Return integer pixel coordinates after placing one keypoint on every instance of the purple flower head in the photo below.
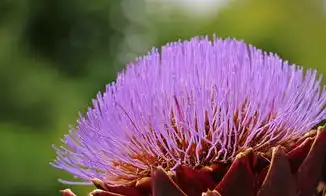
(192, 103)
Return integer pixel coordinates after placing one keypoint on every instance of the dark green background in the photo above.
(55, 55)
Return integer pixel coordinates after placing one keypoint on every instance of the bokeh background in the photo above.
(55, 55)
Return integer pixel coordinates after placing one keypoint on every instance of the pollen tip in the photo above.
(321, 128)
(101, 192)
(143, 182)
(211, 193)
(67, 192)
(246, 152)
(98, 183)
(311, 133)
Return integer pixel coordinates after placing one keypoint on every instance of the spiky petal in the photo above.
(193, 104)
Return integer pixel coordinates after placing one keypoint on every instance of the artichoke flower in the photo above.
(202, 118)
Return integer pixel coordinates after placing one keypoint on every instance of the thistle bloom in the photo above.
(202, 117)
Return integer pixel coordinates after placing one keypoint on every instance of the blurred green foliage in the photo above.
(56, 55)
